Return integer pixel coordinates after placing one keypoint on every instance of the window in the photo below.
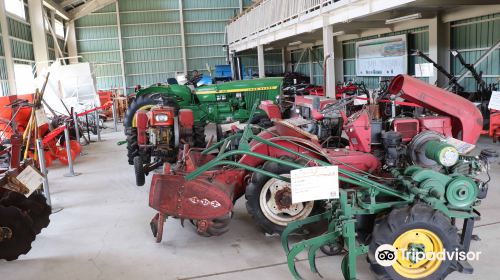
(25, 82)
(59, 29)
(15, 7)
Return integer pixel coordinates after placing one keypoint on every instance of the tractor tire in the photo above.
(138, 103)
(199, 136)
(407, 226)
(217, 227)
(132, 145)
(140, 177)
(35, 207)
(264, 210)
(20, 230)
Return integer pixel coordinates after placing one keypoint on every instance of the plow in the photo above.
(404, 182)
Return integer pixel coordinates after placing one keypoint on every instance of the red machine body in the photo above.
(158, 111)
(305, 105)
(466, 119)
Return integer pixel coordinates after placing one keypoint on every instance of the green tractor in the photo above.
(163, 117)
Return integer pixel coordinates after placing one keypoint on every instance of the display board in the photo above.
(386, 56)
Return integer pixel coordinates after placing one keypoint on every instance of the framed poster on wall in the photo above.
(386, 56)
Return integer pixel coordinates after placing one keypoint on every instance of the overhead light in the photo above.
(295, 43)
(404, 18)
(269, 49)
(338, 33)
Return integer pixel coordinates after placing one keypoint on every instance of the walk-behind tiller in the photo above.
(411, 207)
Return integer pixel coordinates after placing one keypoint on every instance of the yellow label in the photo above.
(237, 90)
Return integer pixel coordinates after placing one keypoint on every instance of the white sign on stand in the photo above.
(494, 101)
(31, 179)
(315, 183)
(424, 70)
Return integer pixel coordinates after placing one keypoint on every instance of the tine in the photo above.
(314, 245)
(293, 226)
(291, 259)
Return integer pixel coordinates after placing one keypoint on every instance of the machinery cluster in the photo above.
(403, 153)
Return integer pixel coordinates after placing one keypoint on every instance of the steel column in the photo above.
(261, 63)
(38, 35)
(183, 37)
(120, 44)
(71, 42)
(43, 170)
(329, 61)
(7, 49)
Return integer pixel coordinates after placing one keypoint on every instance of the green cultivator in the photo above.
(398, 202)
(413, 209)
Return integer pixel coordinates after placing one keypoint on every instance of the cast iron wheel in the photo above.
(199, 136)
(140, 177)
(269, 200)
(216, 227)
(417, 227)
(35, 207)
(17, 233)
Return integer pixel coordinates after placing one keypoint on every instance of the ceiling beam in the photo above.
(57, 8)
(68, 2)
(88, 8)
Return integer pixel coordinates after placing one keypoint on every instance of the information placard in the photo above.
(386, 56)
(315, 183)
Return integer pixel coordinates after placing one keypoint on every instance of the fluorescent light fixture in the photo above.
(295, 43)
(403, 18)
(338, 33)
(269, 49)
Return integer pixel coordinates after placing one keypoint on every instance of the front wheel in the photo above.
(269, 200)
(417, 231)
(140, 177)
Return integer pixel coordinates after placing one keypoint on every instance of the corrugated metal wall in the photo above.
(20, 39)
(151, 38)
(418, 38)
(316, 55)
(472, 37)
(272, 61)
(98, 43)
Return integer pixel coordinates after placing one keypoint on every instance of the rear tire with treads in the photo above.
(410, 225)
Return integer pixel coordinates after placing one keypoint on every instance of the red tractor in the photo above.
(203, 187)
(160, 132)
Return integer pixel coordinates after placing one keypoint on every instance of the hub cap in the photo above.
(276, 203)
(417, 241)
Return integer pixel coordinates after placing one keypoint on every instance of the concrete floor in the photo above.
(103, 232)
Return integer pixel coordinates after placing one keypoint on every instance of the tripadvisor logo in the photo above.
(387, 255)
